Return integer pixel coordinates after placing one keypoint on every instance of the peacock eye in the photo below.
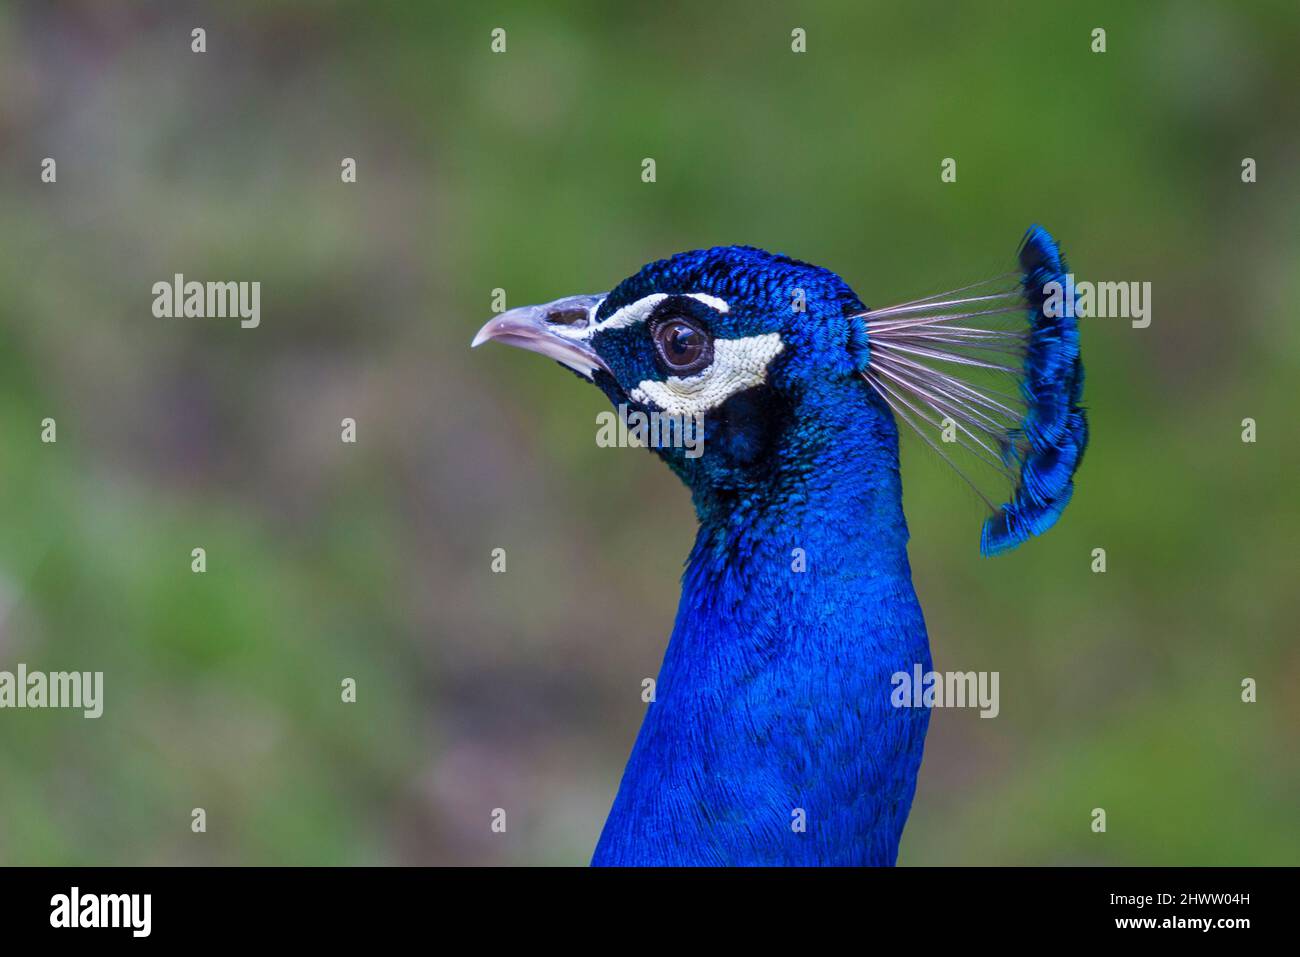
(683, 347)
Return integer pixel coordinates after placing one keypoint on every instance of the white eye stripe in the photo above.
(631, 314)
(738, 364)
(713, 302)
(634, 313)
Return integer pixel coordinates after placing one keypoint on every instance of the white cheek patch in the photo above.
(738, 364)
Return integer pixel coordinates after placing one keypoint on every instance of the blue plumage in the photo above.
(1055, 425)
(773, 738)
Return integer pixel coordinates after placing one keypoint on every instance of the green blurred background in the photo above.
(522, 171)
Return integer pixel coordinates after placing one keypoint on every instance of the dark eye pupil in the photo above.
(683, 348)
(683, 342)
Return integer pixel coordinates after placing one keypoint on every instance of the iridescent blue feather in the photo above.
(1054, 424)
(992, 374)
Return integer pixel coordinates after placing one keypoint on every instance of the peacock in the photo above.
(773, 738)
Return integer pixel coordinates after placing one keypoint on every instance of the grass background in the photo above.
(522, 171)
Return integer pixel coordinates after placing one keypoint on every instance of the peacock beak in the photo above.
(559, 329)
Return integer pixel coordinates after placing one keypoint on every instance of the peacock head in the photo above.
(741, 347)
(771, 359)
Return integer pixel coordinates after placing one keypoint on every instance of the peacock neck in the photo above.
(771, 739)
